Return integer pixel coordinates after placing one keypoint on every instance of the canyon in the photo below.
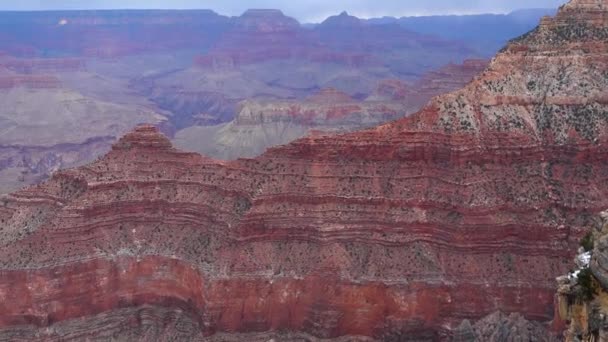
(449, 224)
(261, 124)
(73, 82)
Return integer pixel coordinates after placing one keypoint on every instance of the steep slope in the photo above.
(471, 206)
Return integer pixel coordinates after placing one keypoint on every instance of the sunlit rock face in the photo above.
(471, 206)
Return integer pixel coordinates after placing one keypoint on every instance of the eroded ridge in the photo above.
(471, 206)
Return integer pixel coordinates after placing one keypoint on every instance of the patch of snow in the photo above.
(584, 259)
(574, 275)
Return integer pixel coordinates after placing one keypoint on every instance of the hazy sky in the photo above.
(304, 10)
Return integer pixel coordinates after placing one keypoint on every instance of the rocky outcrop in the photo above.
(471, 206)
(258, 36)
(582, 294)
(499, 327)
(342, 21)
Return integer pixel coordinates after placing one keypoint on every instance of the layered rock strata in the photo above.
(261, 124)
(471, 206)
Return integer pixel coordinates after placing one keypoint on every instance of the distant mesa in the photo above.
(143, 136)
(266, 20)
(344, 20)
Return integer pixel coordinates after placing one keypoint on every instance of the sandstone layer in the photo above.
(471, 206)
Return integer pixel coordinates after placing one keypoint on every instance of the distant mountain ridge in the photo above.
(496, 32)
(497, 28)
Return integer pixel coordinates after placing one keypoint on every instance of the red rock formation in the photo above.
(471, 206)
(327, 289)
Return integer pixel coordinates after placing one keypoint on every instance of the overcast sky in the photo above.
(304, 10)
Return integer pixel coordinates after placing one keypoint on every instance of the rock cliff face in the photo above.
(471, 206)
(501, 327)
(582, 296)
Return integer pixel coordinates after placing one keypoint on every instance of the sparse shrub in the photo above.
(587, 242)
(586, 286)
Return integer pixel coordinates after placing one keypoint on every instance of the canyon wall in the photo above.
(400, 232)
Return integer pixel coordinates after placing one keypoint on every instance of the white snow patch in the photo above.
(574, 275)
(584, 259)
